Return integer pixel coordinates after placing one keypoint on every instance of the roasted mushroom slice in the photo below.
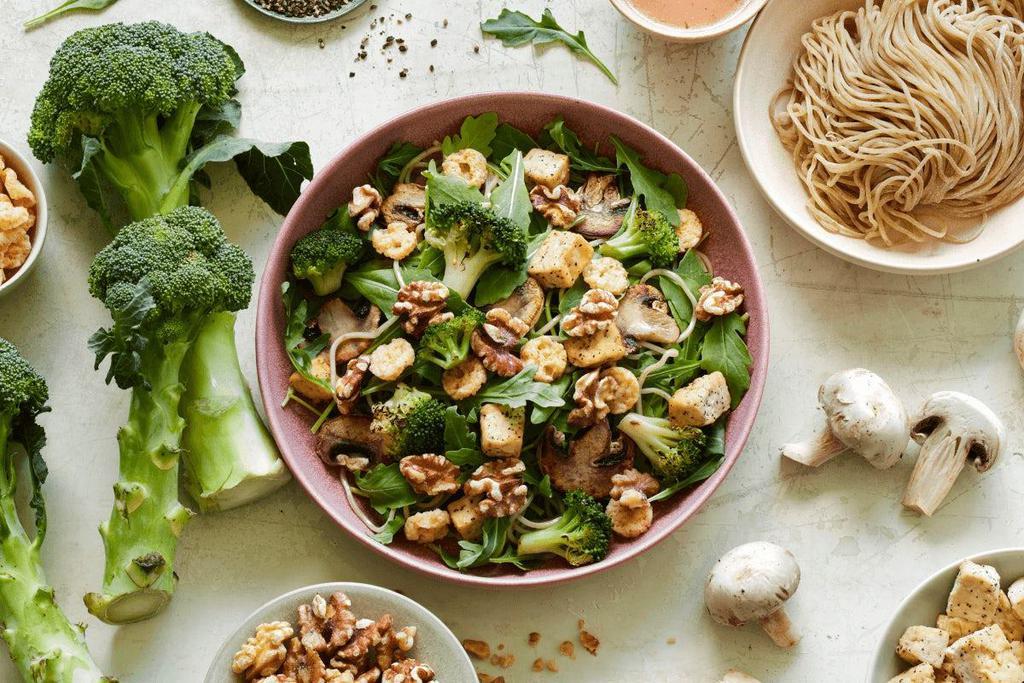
(336, 318)
(526, 302)
(348, 434)
(589, 462)
(644, 316)
(406, 204)
(603, 208)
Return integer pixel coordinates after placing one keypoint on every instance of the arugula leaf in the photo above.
(508, 139)
(541, 414)
(511, 198)
(385, 488)
(515, 29)
(457, 433)
(477, 132)
(517, 391)
(693, 273)
(582, 158)
(445, 189)
(297, 312)
(661, 192)
(387, 534)
(725, 351)
(704, 472)
(431, 259)
(391, 164)
(499, 282)
(376, 282)
(492, 544)
(69, 6)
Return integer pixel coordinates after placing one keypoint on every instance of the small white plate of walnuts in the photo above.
(342, 633)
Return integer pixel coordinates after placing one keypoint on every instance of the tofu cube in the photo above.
(467, 518)
(319, 368)
(923, 645)
(975, 595)
(922, 673)
(501, 430)
(956, 628)
(600, 348)
(560, 260)
(985, 656)
(701, 402)
(547, 168)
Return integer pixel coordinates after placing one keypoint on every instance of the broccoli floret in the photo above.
(473, 238)
(581, 535)
(412, 422)
(674, 453)
(322, 257)
(446, 344)
(648, 235)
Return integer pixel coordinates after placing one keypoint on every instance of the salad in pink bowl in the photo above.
(511, 339)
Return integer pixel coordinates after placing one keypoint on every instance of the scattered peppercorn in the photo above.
(351, 74)
(476, 49)
(433, 43)
(403, 73)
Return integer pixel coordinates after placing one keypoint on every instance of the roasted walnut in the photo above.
(613, 390)
(721, 297)
(501, 483)
(364, 206)
(421, 303)
(346, 390)
(368, 635)
(326, 625)
(430, 474)
(559, 206)
(595, 312)
(303, 664)
(427, 527)
(495, 342)
(407, 671)
(263, 653)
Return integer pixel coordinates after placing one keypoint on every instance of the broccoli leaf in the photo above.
(32, 438)
(508, 139)
(377, 283)
(69, 6)
(301, 352)
(662, 193)
(445, 189)
(390, 166)
(123, 342)
(516, 28)
(385, 488)
(582, 158)
(492, 544)
(477, 132)
(725, 351)
(517, 391)
(386, 535)
(212, 122)
(90, 181)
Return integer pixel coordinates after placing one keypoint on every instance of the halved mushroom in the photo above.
(603, 208)
(407, 204)
(590, 461)
(336, 318)
(348, 434)
(644, 316)
(954, 429)
(526, 302)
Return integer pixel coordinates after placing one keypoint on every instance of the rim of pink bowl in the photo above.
(268, 343)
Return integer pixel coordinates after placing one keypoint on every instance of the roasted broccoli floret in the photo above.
(412, 421)
(322, 257)
(473, 238)
(648, 235)
(581, 535)
(446, 344)
(674, 453)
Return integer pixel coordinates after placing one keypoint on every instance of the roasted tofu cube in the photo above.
(320, 368)
(560, 259)
(922, 673)
(501, 430)
(701, 402)
(547, 168)
(975, 595)
(1013, 627)
(466, 517)
(593, 350)
(923, 645)
(985, 656)
(956, 628)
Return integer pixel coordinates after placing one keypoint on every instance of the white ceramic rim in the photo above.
(455, 644)
(330, 16)
(885, 649)
(689, 35)
(27, 175)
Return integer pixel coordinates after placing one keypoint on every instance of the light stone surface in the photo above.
(860, 553)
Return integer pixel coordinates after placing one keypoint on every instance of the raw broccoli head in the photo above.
(413, 420)
(674, 453)
(447, 344)
(473, 238)
(581, 535)
(23, 391)
(322, 257)
(648, 235)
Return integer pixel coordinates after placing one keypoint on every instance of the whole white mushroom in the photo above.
(752, 582)
(863, 416)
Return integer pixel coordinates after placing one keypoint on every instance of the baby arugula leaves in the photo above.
(516, 29)
(69, 6)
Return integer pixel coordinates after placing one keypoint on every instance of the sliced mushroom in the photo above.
(350, 434)
(603, 207)
(644, 316)
(590, 461)
(407, 204)
(954, 429)
(526, 302)
(336, 318)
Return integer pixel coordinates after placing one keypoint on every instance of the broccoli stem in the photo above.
(550, 540)
(462, 272)
(229, 457)
(43, 644)
(142, 533)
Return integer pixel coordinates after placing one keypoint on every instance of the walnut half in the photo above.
(430, 474)
(421, 303)
(501, 484)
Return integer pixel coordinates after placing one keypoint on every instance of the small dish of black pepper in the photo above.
(305, 11)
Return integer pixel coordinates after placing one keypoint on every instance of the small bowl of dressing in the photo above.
(689, 21)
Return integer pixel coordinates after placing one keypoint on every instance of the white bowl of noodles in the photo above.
(765, 68)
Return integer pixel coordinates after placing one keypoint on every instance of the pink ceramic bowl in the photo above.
(727, 246)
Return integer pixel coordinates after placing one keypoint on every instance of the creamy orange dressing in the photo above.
(687, 13)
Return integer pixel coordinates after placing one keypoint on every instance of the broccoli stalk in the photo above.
(674, 453)
(647, 235)
(411, 422)
(43, 644)
(446, 344)
(581, 534)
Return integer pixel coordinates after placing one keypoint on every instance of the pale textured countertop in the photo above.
(860, 553)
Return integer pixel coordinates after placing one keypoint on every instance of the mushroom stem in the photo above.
(938, 465)
(780, 629)
(817, 451)
(1018, 340)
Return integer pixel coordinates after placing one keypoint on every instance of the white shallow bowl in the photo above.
(436, 645)
(697, 34)
(28, 177)
(765, 64)
(928, 601)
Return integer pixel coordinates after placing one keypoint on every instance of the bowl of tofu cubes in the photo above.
(430, 383)
(965, 623)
